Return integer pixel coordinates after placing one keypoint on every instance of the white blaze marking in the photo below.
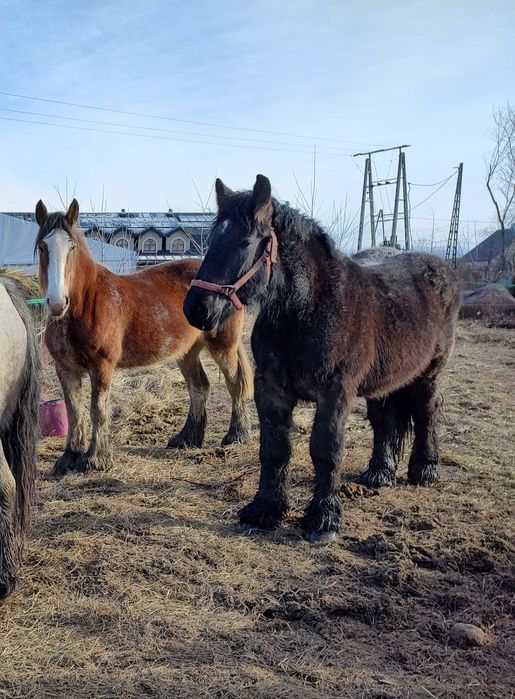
(224, 225)
(58, 244)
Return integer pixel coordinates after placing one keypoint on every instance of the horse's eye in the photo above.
(245, 244)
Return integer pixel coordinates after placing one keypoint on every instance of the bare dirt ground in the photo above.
(136, 583)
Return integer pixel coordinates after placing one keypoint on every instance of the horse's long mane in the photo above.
(289, 223)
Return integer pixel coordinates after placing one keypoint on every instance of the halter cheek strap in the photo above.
(268, 258)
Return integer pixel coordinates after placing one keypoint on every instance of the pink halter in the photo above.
(268, 258)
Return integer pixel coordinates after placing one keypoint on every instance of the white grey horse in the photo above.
(19, 399)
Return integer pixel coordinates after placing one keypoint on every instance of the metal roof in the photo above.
(137, 222)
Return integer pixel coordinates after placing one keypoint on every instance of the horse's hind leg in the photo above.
(235, 367)
(9, 547)
(390, 420)
(192, 434)
(426, 403)
(76, 442)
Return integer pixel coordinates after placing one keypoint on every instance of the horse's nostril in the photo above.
(67, 300)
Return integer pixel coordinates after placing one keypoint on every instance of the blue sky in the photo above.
(346, 75)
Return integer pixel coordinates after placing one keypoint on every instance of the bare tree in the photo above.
(500, 175)
(342, 226)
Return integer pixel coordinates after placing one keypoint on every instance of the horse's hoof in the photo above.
(7, 586)
(236, 437)
(181, 442)
(424, 476)
(61, 468)
(87, 464)
(244, 528)
(376, 479)
(65, 463)
(320, 537)
(262, 514)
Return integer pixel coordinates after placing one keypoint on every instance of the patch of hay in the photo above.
(136, 582)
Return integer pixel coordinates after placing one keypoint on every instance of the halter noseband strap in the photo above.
(268, 258)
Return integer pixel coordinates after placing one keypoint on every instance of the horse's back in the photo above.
(178, 273)
(13, 349)
(375, 255)
(139, 316)
(409, 276)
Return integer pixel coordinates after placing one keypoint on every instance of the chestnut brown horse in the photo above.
(99, 321)
(327, 330)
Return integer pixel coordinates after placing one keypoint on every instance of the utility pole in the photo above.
(407, 236)
(371, 202)
(452, 241)
(368, 194)
(380, 220)
(393, 239)
(363, 204)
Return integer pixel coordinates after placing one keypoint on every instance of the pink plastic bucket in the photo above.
(53, 419)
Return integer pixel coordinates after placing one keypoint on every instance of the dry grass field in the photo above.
(136, 583)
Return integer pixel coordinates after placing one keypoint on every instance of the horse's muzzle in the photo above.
(57, 308)
(203, 310)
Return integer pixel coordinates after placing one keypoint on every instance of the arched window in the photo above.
(122, 243)
(178, 245)
(150, 245)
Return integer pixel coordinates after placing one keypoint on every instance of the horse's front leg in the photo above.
(99, 456)
(270, 503)
(321, 520)
(76, 441)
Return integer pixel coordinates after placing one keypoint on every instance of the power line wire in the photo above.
(339, 149)
(183, 121)
(387, 176)
(432, 193)
(433, 184)
(156, 137)
(464, 220)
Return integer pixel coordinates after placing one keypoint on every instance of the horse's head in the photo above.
(242, 247)
(55, 241)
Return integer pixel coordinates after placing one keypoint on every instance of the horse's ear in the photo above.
(221, 191)
(262, 194)
(41, 213)
(72, 215)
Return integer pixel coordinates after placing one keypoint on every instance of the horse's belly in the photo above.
(385, 377)
(156, 346)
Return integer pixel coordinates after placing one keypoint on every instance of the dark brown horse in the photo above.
(19, 398)
(99, 321)
(328, 330)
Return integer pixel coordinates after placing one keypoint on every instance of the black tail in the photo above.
(19, 436)
(402, 415)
